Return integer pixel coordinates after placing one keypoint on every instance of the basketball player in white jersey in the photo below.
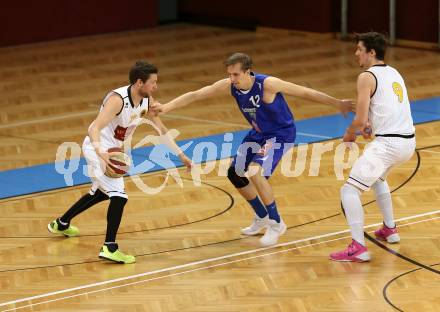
(382, 109)
(120, 113)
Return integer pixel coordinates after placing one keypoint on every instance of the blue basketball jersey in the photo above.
(266, 118)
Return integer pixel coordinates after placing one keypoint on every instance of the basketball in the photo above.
(119, 163)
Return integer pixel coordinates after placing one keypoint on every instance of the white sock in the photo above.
(354, 212)
(383, 199)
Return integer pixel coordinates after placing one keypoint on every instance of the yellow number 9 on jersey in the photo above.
(398, 90)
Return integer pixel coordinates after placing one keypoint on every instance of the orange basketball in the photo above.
(119, 163)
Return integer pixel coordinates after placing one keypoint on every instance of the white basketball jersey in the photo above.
(389, 105)
(120, 127)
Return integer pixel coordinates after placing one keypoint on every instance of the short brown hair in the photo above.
(373, 41)
(240, 58)
(141, 70)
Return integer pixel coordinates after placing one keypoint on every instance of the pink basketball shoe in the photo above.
(390, 235)
(355, 252)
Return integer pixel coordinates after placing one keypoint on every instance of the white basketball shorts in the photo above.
(96, 168)
(379, 157)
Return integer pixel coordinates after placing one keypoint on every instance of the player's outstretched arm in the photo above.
(275, 85)
(217, 88)
(111, 108)
(166, 139)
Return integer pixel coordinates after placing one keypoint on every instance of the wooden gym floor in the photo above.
(190, 254)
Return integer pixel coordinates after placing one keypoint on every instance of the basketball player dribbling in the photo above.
(383, 104)
(119, 115)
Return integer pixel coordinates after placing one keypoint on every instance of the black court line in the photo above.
(420, 265)
(385, 289)
(166, 251)
(219, 242)
(226, 241)
(392, 251)
(163, 251)
(231, 204)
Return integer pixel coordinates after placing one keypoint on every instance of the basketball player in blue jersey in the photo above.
(261, 101)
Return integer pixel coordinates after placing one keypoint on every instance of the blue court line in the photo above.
(149, 159)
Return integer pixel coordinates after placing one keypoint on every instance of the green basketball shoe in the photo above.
(69, 232)
(117, 256)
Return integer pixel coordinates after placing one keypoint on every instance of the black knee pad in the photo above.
(235, 179)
